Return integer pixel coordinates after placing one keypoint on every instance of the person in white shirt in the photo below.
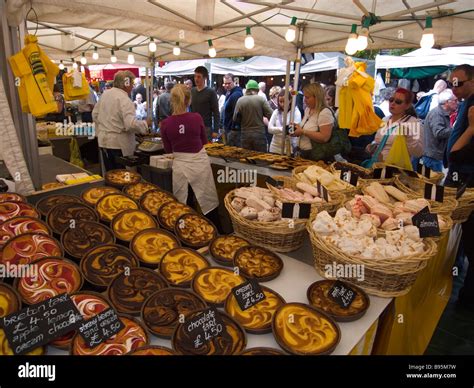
(140, 107)
(261, 89)
(115, 120)
(275, 126)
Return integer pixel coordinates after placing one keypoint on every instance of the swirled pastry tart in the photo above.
(47, 203)
(121, 178)
(12, 209)
(223, 248)
(92, 195)
(128, 292)
(179, 266)
(152, 200)
(112, 204)
(8, 197)
(169, 213)
(30, 247)
(258, 318)
(153, 351)
(103, 263)
(195, 230)
(318, 296)
(138, 189)
(152, 244)
(162, 310)
(65, 215)
(9, 300)
(21, 225)
(215, 284)
(303, 330)
(258, 263)
(128, 223)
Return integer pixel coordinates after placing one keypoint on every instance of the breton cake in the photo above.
(223, 248)
(179, 266)
(170, 211)
(215, 284)
(92, 195)
(66, 215)
(46, 204)
(112, 204)
(55, 276)
(153, 351)
(84, 236)
(195, 230)
(21, 225)
(121, 178)
(258, 263)
(128, 292)
(30, 247)
(162, 310)
(8, 197)
(303, 330)
(318, 296)
(258, 318)
(103, 263)
(152, 244)
(12, 209)
(152, 200)
(128, 223)
(138, 189)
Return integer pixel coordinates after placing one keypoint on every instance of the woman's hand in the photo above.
(298, 130)
(371, 148)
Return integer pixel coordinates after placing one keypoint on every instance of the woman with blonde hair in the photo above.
(183, 134)
(273, 101)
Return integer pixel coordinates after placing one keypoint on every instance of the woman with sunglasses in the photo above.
(401, 121)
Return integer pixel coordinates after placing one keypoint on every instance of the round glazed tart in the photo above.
(179, 266)
(8, 197)
(153, 351)
(30, 247)
(120, 178)
(112, 204)
(55, 276)
(223, 248)
(258, 263)
(12, 209)
(9, 300)
(101, 264)
(152, 244)
(85, 236)
(169, 213)
(6, 350)
(215, 284)
(128, 293)
(162, 310)
(89, 304)
(231, 341)
(256, 319)
(195, 230)
(21, 225)
(262, 352)
(301, 329)
(138, 189)
(47, 203)
(91, 196)
(59, 217)
(152, 200)
(130, 338)
(128, 223)
(318, 296)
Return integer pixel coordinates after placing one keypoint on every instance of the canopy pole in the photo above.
(285, 106)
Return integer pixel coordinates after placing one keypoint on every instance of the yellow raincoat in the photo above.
(70, 92)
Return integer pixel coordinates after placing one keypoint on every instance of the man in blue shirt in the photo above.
(234, 92)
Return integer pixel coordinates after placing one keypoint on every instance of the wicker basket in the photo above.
(280, 236)
(385, 277)
(336, 201)
(435, 178)
(361, 181)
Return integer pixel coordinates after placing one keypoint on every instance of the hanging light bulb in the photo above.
(427, 40)
(363, 39)
(249, 41)
(290, 35)
(212, 50)
(74, 64)
(61, 65)
(176, 49)
(83, 59)
(130, 58)
(152, 46)
(351, 45)
(113, 58)
(95, 54)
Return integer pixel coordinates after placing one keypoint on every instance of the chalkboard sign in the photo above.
(349, 176)
(323, 192)
(204, 327)
(100, 328)
(274, 182)
(342, 294)
(423, 170)
(295, 210)
(385, 173)
(248, 294)
(434, 192)
(427, 223)
(41, 323)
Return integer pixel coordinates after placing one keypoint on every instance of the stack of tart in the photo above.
(152, 200)
(122, 178)
(169, 213)
(12, 209)
(20, 225)
(258, 263)
(195, 230)
(46, 204)
(223, 248)
(136, 190)
(112, 204)
(92, 195)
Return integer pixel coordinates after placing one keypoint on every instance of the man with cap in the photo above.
(249, 112)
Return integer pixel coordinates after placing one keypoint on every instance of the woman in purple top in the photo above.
(183, 134)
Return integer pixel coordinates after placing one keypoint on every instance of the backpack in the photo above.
(422, 107)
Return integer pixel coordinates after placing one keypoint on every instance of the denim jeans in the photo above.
(433, 164)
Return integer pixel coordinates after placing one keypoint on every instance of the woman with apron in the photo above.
(183, 133)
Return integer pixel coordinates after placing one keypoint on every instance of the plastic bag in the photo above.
(75, 153)
(398, 154)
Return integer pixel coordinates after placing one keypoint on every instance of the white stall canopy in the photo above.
(332, 61)
(180, 68)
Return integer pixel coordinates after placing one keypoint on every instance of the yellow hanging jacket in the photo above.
(36, 75)
(72, 93)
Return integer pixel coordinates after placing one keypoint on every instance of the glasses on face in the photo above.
(456, 83)
(396, 101)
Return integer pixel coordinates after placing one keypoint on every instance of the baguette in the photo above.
(377, 191)
(395, 193)
(308, 189)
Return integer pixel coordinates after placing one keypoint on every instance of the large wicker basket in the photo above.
(364, 171)
(435, 178)
(382, 277)
(280, 236)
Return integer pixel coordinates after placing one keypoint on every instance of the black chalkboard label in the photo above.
(349, 176)
(273, 182)
(100, 328)
(384, 173)
(295, 210)
(434, 192)
(40, 323)
(427, 223)
(248, 294)
(251, 161)
(342, 294)
(323, 192)
(423, 170)
(204, 327)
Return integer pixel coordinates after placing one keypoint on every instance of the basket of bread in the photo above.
(365, 175)
(313, 174)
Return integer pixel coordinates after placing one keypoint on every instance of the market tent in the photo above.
(332, 61)
(180, 68)
(107, 72)
(260, 66)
